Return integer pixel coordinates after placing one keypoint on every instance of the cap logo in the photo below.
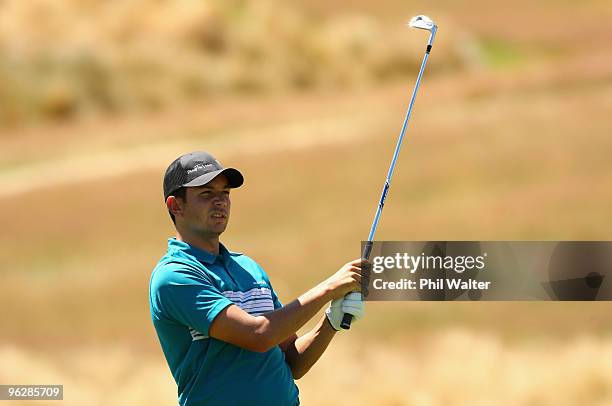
(198, 167)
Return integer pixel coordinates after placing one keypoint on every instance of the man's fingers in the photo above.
(355, 262)
(361, 263)
(355, 269)
(356, 285)
(361, 271)
(356, 274)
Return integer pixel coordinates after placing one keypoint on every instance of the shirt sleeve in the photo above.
(275, 300)
(186, 296)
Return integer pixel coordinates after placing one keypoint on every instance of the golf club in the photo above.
(421, 22)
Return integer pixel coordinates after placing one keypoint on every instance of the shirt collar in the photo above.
(199, 254)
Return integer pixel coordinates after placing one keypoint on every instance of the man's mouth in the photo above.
(219, 215)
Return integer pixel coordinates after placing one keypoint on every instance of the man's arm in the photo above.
(303, 352)
(261, 333)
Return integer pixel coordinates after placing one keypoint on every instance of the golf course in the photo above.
(509, 139)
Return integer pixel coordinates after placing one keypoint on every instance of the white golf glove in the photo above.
(351, 304)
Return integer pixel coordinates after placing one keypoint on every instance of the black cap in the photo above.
(197, 169)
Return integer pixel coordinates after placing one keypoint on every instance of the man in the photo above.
(227, 338)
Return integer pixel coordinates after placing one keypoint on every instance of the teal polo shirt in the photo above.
(188, 289)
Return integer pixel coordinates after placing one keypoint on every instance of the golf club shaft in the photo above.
(348, 318)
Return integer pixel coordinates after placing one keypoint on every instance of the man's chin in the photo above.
(211, 231)
(219, 228)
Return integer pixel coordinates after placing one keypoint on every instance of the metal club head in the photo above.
(422, 22)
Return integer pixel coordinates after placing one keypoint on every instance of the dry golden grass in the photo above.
(457, 179)
(67, 59)
(458, 367)
(450, 367)
(514, 146)
(63, 59)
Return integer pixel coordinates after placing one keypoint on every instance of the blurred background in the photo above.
(509, 140)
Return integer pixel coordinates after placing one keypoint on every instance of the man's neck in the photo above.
(206, 244)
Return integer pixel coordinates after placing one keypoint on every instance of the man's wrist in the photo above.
(323, 292)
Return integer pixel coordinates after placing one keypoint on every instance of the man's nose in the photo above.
(220, 200)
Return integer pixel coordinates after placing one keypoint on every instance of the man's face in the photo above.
(206, 208)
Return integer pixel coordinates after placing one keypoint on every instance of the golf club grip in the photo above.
(347, 319)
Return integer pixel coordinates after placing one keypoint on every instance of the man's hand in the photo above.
(260, 333)
(352, 304)
(347, 279)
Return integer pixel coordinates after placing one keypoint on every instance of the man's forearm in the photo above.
(307, 349)
(280, 324)
(261, 333)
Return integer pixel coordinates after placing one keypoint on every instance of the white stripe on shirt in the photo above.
(256, 301)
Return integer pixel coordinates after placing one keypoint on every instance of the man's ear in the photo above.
(174, 205)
